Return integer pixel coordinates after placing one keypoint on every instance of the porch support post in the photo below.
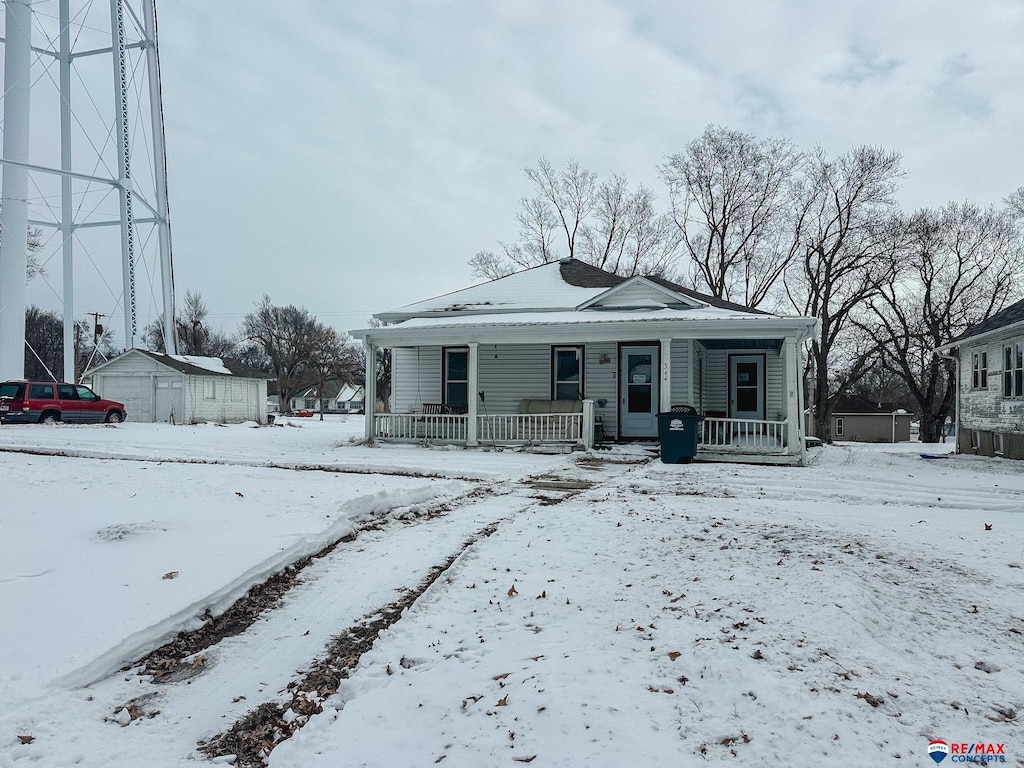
(794, 436)
(370, 390)
(474, 388)
(690, 369)
(588, 424)
(665, 390)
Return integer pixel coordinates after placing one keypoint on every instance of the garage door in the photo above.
(136, 392)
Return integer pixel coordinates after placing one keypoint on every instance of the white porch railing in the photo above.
(416, 426)
(493, 428)
(531, 427)
(741, 435)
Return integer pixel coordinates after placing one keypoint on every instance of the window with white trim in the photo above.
(997, 443)
(840, 426)
(979, 370)
(455, 387)
(209, 389)
(567, 373)
(1013, 370)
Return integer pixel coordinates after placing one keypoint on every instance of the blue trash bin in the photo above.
(677, 430)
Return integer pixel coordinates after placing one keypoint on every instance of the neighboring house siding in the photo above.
(986, 416)
(987, 409)
(415, 378)
(871, 428)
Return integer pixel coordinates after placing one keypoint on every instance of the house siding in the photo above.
(510, 373)
(986, 409)
(415, 378)
(602, 383)
(634, 296)
(871, 428)
(715, 385)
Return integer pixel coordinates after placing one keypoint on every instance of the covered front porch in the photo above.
(594, 390)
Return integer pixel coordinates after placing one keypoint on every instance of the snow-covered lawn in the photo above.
(842, 614)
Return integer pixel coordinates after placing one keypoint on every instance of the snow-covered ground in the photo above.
(842, 614)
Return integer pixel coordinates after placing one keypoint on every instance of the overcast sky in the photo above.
(352, 156)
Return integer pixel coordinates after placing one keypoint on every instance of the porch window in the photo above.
(979, 370)
(1013, 370)
(567, 373)
(840, 426)
(456, 376)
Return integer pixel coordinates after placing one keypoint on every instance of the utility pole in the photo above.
(97, 328)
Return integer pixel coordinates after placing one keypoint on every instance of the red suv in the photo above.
(47, 402)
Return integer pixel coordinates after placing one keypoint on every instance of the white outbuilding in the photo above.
(182, 389)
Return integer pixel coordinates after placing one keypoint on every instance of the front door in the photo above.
(746, 387)
(639, 374)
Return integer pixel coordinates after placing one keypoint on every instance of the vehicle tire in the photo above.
(114, 417)
(49, 417)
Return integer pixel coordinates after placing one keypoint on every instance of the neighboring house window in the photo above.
(567, 373)
(1013, 370)
(840, 426)
(455, 376)
(997, 443)
(209, 389)
(979, 370)
(975, 439)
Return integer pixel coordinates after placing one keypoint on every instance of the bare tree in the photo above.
(960, 265)
(847, 236)
(195, 337)
(287, 336)
(325, 357)
(731, 196)
(571, 215)
(44, 343)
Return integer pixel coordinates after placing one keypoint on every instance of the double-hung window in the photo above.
(979, 370)
(840, 426)
(567, 373)
(1013, 370)
(456, 376)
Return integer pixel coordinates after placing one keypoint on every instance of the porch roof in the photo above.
(589, 324)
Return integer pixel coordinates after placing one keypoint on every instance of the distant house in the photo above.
(339, 397)
(990, 385)
(860, 420)
(182, 389)
(349, 399)
(568, 353)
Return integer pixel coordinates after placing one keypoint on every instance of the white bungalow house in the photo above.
(990, 385)
(182, 389)
(339, 396)
(566, 352)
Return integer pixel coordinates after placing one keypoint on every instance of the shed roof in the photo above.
(193, 365)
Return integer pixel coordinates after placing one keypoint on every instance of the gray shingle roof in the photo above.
(584, 275)
(1007, 316)
(236, 367)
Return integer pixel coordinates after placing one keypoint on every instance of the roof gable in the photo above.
(639, 292)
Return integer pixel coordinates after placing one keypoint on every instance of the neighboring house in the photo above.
(566, 352)
(860, 420)
(182, 389)
(308, 399)
(349, 399)
(340, 398)
(990, 385)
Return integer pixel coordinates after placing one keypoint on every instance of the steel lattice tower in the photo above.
(82, 124)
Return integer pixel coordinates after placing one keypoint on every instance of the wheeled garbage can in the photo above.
(677, 430)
